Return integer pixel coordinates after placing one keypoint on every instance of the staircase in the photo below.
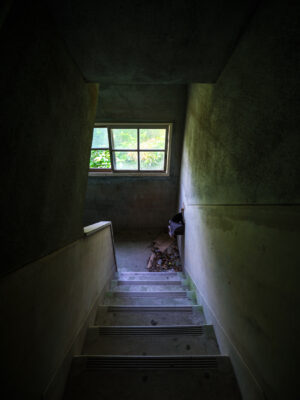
(150, 341)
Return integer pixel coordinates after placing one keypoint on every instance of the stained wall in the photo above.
(240, 187)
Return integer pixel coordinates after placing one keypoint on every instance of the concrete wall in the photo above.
(240, 186)
(138, 202)
(143, 42)
(45, 309)
(47, 112)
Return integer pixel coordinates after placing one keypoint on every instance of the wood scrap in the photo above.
(164, 256)
(150, 261)
(162, 242)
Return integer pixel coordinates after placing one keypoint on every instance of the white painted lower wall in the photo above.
(45, 309)
(243, 263)
(249, 386)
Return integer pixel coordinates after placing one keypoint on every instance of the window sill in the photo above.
(135, 174)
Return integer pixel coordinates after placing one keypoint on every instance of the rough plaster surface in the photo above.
(138, 202)
(240, 186)
(244, 261)
(47, 113)
(148, 42)
(243, 131)
(44, 306)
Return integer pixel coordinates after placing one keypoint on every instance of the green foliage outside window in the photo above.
(100, 159)
(126, 139)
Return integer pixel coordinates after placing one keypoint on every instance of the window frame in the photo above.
(143, 125)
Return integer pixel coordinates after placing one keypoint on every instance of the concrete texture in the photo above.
(242, 142)
(149, 316)
(122, 353)
(148, 287)
(133, 250)
(178, 298)
(143, 202)
(241, 192)
(143, 42)
(131, 281)
(47, 113)
(182, 342)
(246, 270)
(155, 277)
(44, 308)
(149, 383)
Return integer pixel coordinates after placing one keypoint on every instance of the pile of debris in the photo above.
(165, 255)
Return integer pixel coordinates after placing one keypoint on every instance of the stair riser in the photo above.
(148, 288)
(148, 282)
(149, 275)
(155, 294)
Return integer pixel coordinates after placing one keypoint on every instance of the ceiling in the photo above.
(166, 42)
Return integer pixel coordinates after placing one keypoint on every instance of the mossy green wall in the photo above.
(240, 187)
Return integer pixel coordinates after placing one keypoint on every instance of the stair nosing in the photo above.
(144, 330)
(124, 308)
(121, 282)
(156, 294)
(98, 362)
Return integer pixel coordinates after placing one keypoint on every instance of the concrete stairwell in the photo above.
(150, 341)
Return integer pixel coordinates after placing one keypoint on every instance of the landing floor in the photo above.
(133, 249)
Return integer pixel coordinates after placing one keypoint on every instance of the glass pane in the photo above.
(124, 139)
(152, 139)
(152, 160)
(124, 160)
(100, 159)
(100, 138)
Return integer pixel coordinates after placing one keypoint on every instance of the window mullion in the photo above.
(150, 161)
(138, 147)
(166, 147)
(110, 149)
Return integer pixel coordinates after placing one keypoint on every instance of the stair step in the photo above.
(151, 340)
(162, 378)
(128, 282)
(171, 298)
(149, 276)
(151, 316)
(148, 287)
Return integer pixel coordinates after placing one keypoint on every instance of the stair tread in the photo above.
(149, 276)
(162, 378)
(149, 298)
(144, 273)
(145, 281)
(171, 301)
(149, 315)
(149, 287)
(151, 341)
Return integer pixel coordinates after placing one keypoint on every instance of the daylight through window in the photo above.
(130, 148)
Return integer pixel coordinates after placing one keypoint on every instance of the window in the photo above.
(130, 148)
